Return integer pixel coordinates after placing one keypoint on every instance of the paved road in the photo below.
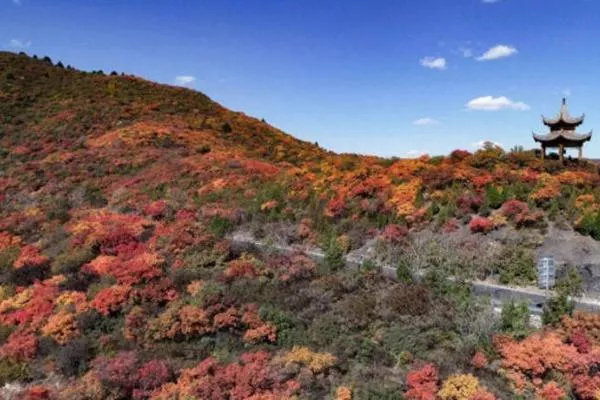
(498, 293)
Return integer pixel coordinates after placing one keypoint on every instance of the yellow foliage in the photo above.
(498, 219)
(62, 327)
(17, 301)
(316, 362)
(404, 195)
(459, 387)
(72, 298)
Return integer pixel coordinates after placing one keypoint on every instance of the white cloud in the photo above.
(567, 92)
(20, 44)
(483, 143)
(185, 80)
(426, 121)
(489, 103)
(497, 52)
(415, 153)
(434, 63)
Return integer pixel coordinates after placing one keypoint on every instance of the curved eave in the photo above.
(566, 136)
(563, 120)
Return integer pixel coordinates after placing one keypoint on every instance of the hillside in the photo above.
(117, 278)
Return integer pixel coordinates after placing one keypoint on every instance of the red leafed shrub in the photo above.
(512, 208)
(580, 340)
(20, 346)
(158, 292)
(551, 391)
(30, 256)
(292, 268)
(479, 360)
(251, 378)
(36, 393)
(481, 225)
(450, 226)
(423, 383)
(151, 376)
(156, 209)
(108, 230)
(135, 324)
(483, 394)
(258, 330)
(110, 300)
(335, 207)
(244, 267)
(118, 372)
(469, 202)
(226, 319)
(132, 264)
(394, 233)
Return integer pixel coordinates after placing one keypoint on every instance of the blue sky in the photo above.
(379, 77)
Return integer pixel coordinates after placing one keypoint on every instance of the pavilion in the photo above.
(563, 133)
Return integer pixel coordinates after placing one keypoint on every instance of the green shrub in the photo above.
(7, 258)
(516, 265)
(515, 319)
(12, 371)
(70, 261)
(334, 255)
(220, 226)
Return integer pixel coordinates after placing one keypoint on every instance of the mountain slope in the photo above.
(117, 279)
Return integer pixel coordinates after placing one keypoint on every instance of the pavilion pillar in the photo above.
(561, 152)
(543, 152)
(580, 152)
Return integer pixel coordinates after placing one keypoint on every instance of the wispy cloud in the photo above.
(497, 52)
(19, 43)
(434, 63)
(466, 52)
(185, 80)
(485, 143)
(415, 153)
(490, 103)
(426, 121)
(16, 2)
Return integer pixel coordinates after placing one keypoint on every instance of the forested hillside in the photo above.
(118, 280)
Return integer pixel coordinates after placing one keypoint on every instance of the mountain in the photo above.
(119, 277)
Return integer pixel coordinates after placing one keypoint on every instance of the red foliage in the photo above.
(335, 207)
(36, 393)
(481, 225)
(423, 383)
(20, 346)
(468, 202)
(512, 208)
(580, 340)
(479, 360)
(459, 155)
(292, 268)
(241, 267)
(551, 391)
(156, 209)
(450, 226)
(394, 233)
(151, 376)
(120, 371)
(251, 378)
(111, 299)
(31, 257)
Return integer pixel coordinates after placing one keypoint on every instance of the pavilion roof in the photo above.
(563, 135)
(563, 117)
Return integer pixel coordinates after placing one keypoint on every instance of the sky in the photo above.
(390, 78)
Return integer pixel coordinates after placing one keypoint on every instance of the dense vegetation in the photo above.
(117, 279)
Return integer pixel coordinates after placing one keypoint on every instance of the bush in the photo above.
(70, 261)
(73, 359)
(220, 226)
(334, 255)
(14, 371)
(516, 265)
(515, 319)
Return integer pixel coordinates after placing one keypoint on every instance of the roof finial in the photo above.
(564, 101)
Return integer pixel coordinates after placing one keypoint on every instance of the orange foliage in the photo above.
(62, 327)
(422, 383)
